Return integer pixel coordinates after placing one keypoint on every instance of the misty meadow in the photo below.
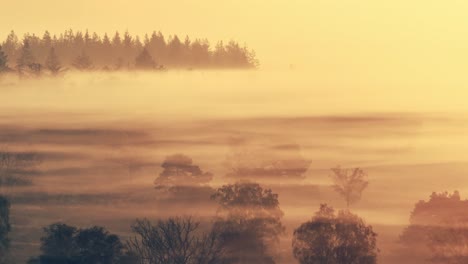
(143, 181)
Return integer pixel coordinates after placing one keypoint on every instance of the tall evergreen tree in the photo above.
(127, 40)
(52, 63)
(116, 41)
(175, 48)
(106, 41)
(83, 62)
(87, 38)
(3, 60)
(10, 47)
(47, 39)
(26, 58)
(145, 61)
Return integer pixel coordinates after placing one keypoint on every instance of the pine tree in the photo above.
(87, 38)
(138, 44)
(116, 41)
(127, 40)
(144, 60)
(26, 59)
(52, 63)
(83, 62)
(3, 60)
(106, 41)
(175, 48)
(47, 39)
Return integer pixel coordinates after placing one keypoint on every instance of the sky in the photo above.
(411, 41)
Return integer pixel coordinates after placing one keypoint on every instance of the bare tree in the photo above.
(349, 183)
(174, 241)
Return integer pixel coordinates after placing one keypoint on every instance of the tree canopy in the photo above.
(341, 238)
(179, 170)
(439, 229)
(249, 222)
(62, 243)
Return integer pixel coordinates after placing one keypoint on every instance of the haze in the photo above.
(379, 85)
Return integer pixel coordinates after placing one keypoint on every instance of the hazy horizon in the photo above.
(413, 41)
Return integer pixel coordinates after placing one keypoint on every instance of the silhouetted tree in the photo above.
(5, 229)
(83, 62)
(349, 183)
(11, 48)
(145, 61)
(175, 48)
(96, 245)
(335, 239)
(219, 55)
(175, 241)
(249, 222)
(3, 61)
(179, 170)
(26, 59)
(47, 40)
(70, 245)
(59, 242)
(52, 63)
(104, 49)
(117, 41)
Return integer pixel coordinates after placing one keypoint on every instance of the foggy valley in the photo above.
(233, 132)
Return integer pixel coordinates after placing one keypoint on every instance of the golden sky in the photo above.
(408, 39)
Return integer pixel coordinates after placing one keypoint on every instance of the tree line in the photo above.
(245, 230)
(90, 51)
(247, 227)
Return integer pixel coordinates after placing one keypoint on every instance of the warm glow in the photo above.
(379, 85)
